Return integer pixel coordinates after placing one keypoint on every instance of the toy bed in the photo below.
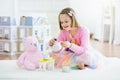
(10, 71)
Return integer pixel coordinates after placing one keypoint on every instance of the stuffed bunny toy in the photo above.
(29, 59)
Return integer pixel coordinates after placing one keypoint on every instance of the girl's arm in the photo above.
(84, 42)
(61, 36)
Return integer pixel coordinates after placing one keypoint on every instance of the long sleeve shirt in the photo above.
(81, 38)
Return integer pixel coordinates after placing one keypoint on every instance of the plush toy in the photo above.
(29, 59)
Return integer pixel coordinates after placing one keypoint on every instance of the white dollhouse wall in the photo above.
(42, 30)
(8, 35)
(11, 36)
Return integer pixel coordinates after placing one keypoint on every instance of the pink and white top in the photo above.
(81, 39)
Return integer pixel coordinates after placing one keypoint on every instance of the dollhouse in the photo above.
(11, 35)
(8, 35)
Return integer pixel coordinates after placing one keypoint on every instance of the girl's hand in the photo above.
(66, 44)
(51, 43)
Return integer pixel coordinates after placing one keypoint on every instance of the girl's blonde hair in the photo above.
(71, 13)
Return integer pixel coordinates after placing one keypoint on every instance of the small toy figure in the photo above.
(31, 56)
(57, 47)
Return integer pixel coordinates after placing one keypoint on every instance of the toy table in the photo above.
(46, 64)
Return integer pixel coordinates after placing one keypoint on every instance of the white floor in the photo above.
(10, 71)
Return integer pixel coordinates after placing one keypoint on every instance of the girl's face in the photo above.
(65, 22)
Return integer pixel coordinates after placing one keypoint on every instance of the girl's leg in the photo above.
(82, 61)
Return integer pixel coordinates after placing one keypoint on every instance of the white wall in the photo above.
(117, 24)
(34, 7)
(6, 7)
(50, 7)
(89, 13)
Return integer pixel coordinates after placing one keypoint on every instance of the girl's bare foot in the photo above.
(81, 66)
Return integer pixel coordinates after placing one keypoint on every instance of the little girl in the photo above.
(75, 41)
